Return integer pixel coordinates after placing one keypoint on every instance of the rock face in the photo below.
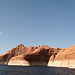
(39, 56)
(29, 56)
(19, 60)
(20, 49)
(65, 58)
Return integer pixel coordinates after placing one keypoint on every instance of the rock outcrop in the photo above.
(4, 59)
(20, 55)
(39, 56)
(65, 58)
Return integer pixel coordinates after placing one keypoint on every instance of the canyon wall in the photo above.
(33, 56)
(39, 56)
(65, 58)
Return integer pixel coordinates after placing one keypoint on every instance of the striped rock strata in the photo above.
(65, 58)
(28, 56)
(20, 49)
(39, 57)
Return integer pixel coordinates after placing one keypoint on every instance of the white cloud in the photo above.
(0, 33)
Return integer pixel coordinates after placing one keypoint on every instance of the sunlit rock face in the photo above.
(4, 59)
(38, 55)
(65, 58)
(19, 61)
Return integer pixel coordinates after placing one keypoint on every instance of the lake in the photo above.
(34, 70)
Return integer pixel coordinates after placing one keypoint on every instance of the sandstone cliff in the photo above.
(39, 56)
(65, 58)
(20, 49)
(20, 55)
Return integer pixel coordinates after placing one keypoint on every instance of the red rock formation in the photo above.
(21, 55)
(4, 59)
(35, 56)
(39, 55)
(65, 58)
(66, 54)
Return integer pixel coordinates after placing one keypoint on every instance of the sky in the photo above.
(36, 22)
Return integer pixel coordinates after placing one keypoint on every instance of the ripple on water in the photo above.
(34, 70)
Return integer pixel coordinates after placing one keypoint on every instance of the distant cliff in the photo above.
(39, 56)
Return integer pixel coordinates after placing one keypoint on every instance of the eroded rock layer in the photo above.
(65, 58)
(38, 55)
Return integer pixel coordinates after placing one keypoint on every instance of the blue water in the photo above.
(34, 70)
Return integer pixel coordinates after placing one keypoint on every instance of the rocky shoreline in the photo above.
(68, 64)
(39, 56)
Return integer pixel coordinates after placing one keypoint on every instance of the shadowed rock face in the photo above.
(20, 55)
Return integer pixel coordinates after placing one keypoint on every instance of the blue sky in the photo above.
(37, 22)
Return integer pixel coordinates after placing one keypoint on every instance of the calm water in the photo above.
(34, 70)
